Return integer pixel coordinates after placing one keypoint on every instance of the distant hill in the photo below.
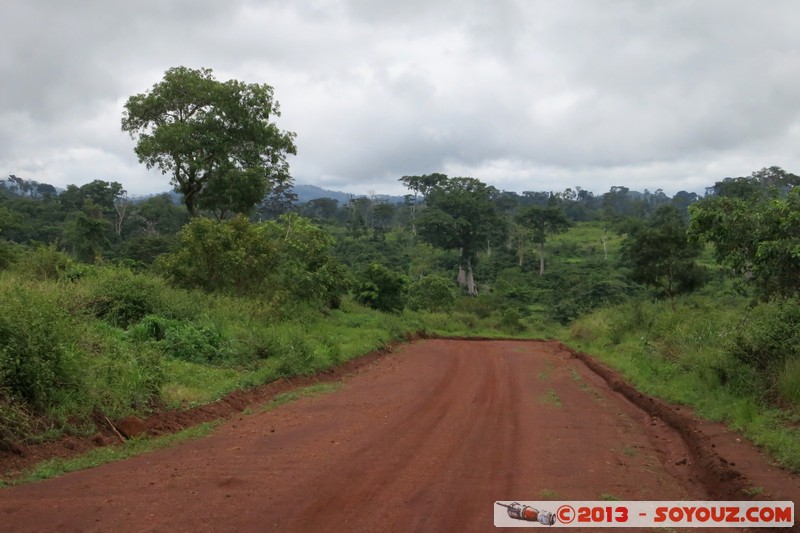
(306, 193)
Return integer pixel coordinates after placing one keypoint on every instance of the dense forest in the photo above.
(113, 305)
(156, 291)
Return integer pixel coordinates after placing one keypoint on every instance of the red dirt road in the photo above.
(424, 439)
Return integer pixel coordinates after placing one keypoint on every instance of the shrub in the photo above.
(35, 361)
(8, 253)
(124, 378)
(432, 293)
(196, 343)
(15, 422)
(769, 335)
(122, 298)
(43, 263)
(288, 259)
(292, 348)
(152, 327)
(381, 289)
(510, 321)
(480, 306)
(789, 383)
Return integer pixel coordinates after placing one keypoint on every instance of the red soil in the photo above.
(424, 439)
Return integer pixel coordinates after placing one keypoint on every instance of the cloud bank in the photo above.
(525, 95)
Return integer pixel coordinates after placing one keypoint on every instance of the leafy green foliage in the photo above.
(122, 298)
(460, 215)
(216, 139)
(45, 263)
(232, 256)
(296, 355)
(662, 256)
(432, 293)
(510, 320)
(8, 253)
(35, 356)
(768, 335)
(307, 269)
(757, 240)
(381, 289)
(578, 290)
(289, 258)
(196, 343)
(542, 222)
(121, 377)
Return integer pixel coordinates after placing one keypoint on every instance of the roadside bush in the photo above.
(151, 327)
(8, 253)
(481, 306)
(288, 259)
(231, 256)
(197, 343)
(432, 293)
(122, 298)
(579, 290)
(35, 361)
(44, 263)
(769, 335)
(124, 378)
(295, 354)
(15, 422)
(510, 321)
(381, 289)
(789, 383)
(633, 318)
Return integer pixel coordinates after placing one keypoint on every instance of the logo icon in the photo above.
(527, 513)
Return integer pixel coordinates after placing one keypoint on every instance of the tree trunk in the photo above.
(465, 277)
(462, 276)
(121, 209)
(471, 290)
(541, 259)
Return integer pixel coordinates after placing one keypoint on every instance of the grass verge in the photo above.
(304, 392)
(688, 357)
(58, 467)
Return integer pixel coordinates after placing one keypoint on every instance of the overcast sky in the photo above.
(524, 95)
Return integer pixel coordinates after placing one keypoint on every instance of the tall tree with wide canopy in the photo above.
(212, 137)
(758, 240)
(542, 221)
(662, 256)
(460, 215)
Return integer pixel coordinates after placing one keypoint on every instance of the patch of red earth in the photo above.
(427, 438)
(25, 456)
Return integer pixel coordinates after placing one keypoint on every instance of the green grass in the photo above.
(585, 240)
(550, 398)
(548, 494)
(544, 375)
(683, 357)
(191, 384)
(120, 343)
(753, 491)
(630, 452)
(304, 392)
(58, 467)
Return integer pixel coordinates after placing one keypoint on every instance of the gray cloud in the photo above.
(526, 95)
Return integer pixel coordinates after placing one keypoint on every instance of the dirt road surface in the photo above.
(424, 439)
